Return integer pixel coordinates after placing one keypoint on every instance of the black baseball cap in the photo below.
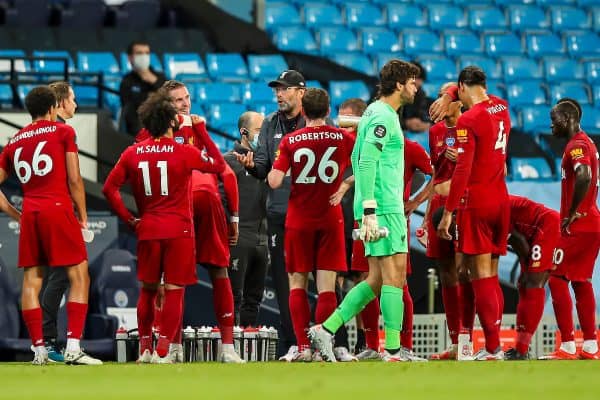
(289, 78)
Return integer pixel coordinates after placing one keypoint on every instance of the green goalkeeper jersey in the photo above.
(378, 160)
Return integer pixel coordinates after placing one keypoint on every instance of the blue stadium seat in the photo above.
(524, 17)
(443, 16)
(87, 14)
(280, 15)
(20, 65)
(382, 58)
(6, 96)
(27, 13)
(226, 67)
(566, 18)
(266, 66)
(216, 92)
(222, 142)
(590, 120)
(188, 65)
(583, 44)
(401, 16)
(102, 61)
(138, 14)
(592, 71)
(535, 119)
(512, 2)
(223, 114)
(462, 42)
(314, 84)
(439, 68)
(558, 69)
(432, 88)
(530, 168)
(264, 108)
(555, 2)
(52, 66)
(417, 42)
(257, 92)
(295, 39)
(492, 68)
(363, 14)
(126, 65)
(355, 61)
(525, 93)
(336, 39)
(519, 68)
(343, 90)
(486, 18)
(595, 11)
(117, 274)
(575, 90)
(502, 44)
(378, 40)
(596, 95)
(320, 14)
(86, 96)
(544, 44)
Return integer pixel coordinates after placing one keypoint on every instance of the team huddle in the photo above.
(174, 169)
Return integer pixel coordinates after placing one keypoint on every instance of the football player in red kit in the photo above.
(478, 192)
(160, 171)
(316, 157)
(535, 230)
(578, 246)
(44, 156)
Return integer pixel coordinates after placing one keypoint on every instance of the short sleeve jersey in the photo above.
(415, 158)
(580, 150)
(37, 155)
(316, 158)
(440, 139)
(380, 126)
(531, 219)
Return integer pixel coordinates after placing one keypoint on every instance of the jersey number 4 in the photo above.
(325, 164)
(501, 141)
(41, 164)
(164, 178)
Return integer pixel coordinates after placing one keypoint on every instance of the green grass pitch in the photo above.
(566, 380)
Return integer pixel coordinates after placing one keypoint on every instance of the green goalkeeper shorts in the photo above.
(395, 242)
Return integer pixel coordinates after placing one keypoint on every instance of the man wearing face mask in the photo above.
(249, 259)
(137, 84)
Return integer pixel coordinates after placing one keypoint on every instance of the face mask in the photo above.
(141, 61)
(254, 142)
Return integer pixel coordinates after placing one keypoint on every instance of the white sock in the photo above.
(590, 346)
(172, 347)
(228, 347)
(40, 350)
(568, 347)
(73, 345)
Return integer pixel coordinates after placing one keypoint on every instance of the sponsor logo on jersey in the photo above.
(461, 135)
(576, 153)
(380, 131)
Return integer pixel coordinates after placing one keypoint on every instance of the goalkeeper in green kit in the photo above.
(378, 165)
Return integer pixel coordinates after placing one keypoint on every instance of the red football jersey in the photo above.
(37, 155)
(440, 138)
(580, 150)
(159, 171)
(481, 134)
(530, 218)
(316, 158)
(415, 158)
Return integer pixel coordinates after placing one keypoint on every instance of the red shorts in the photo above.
(210, 224)
(483, 229)
(359, 260)
(575, 255)
(51, 237)
(437, 248)
(173, 257)
(307, 249)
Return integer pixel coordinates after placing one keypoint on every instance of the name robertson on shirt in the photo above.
(32, 133)
(496, 108)
(155, 148)
(316, 136)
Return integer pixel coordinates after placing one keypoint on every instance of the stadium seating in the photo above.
(320, 14)
(535, 119)
(125, 65)
(6, 96)
(97, 62)
(257, 93)
(543, 44)
(216, 92)
(568, 18)
(403, 16)
(558, 69)
(490, 66)
(363, 14)
(52, 66)
(444, 16)
(223, 114)
(530, 169)
(20, 65)
(518, 68)
(502, 44)
(462, 42)
(138, 14)
(527, 17)
(336, 39)
(82, 14)
(525, 92)
(574, 90)
(439, 68)
(356, 61)
(226, 67)
(486, 18)
(189, 64)
(280, 15)
(342, 90)
(417, 42)
(27, 13)
(266, 67)
(590, 120)
(592, 71)
(582, 44)
(295, 39)
(378, 40)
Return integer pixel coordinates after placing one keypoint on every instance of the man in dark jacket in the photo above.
(249, 258)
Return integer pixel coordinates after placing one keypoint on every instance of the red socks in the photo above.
(326, 304)
(586, 308)
(406, 334)
(563, 307)
(145, 318)
(33, 320)
(529, 314)
(300, 313)
(452, 302)
(467, 307)
(370, 319)
(486, 304)
(76, 313)
(223, 303)
(171, 315)
(500, 295)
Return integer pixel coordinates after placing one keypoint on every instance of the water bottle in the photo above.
(215, 344)
(263, 343)
(203, 344)
(273, 340)
(465, 346)
(121, 339)
(133, 344)
(383, 232)
(250, 344)
(238, 334)
(189, 344)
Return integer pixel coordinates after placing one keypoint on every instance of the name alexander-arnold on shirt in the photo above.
(316, 136)
(32, 133)
(155, 148)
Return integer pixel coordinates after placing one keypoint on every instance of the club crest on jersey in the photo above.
(450, 141)
(380, 131)
(179, 139)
